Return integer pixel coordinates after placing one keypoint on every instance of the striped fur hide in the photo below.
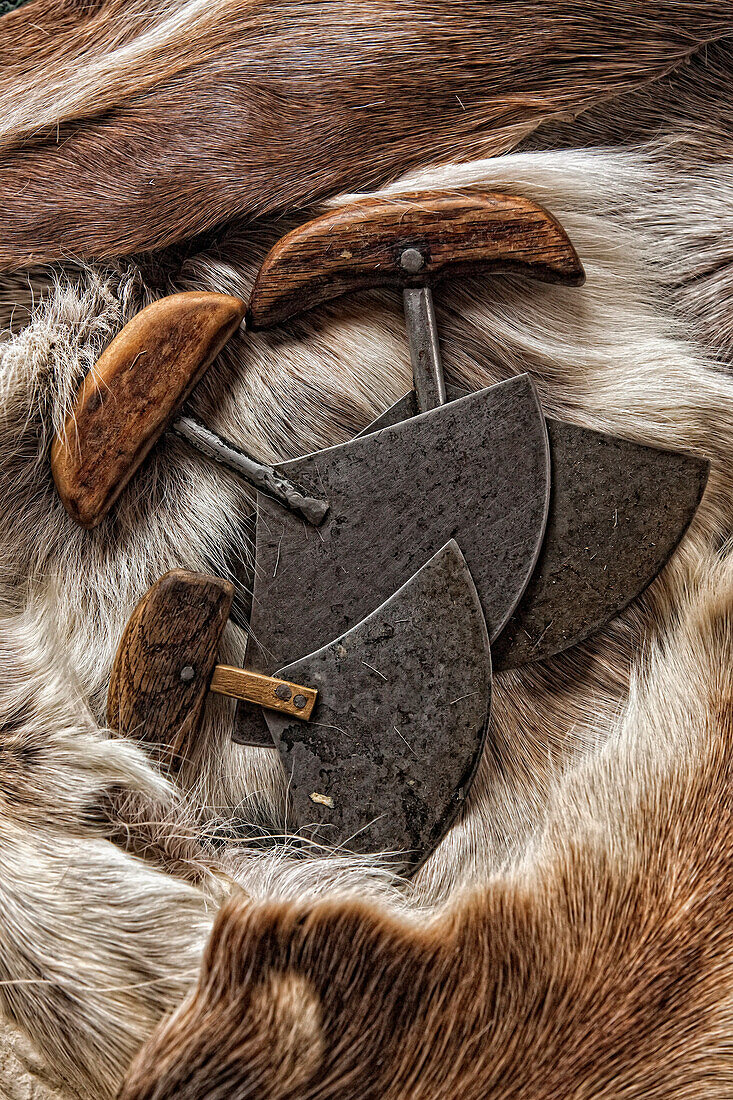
(163, 118)
(597, 964)
(570, 937)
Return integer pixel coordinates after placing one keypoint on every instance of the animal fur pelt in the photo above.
(161, 120)
(614, 354)
(112, 877)
(598, 964)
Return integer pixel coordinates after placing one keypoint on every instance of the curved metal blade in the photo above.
(400, 722)
(476, 470)
(403, 409)
(618, 511)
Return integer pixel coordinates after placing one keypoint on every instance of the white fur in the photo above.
(618, 355)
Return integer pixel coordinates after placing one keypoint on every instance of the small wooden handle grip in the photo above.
(362, 245)
(165, 660)
(131, 395)
(266, 691)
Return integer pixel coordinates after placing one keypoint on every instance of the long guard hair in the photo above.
(574, 924)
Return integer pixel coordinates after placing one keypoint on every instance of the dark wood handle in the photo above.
(165, 661)
(363, 245)
(131, 395)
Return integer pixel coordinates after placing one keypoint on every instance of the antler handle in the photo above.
(131, 395)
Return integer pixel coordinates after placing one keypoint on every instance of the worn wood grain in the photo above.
(164, 662)
(131, 395)
(360, 246)
(266, 691)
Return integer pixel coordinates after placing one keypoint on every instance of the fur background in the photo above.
(578, 914)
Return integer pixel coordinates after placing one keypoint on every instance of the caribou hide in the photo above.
(161, 120)
(570, 936)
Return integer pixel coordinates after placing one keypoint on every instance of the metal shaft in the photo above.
(422, 334)
(264, 478)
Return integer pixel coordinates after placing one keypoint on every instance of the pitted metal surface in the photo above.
(476, 470)
(400, 721)
(617, 512)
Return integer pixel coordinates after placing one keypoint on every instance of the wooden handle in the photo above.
(409, 240)
(165, 660)
(132, 394)
(266, 691)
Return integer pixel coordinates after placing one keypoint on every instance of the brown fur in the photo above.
(600, 965)
(129, 125)
(612, 355)
(688, 119)
(596, 949)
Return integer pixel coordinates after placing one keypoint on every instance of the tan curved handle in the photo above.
(363, 245)
(131, 395)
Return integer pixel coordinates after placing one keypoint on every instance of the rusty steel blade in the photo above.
(400, 722)
(476, 470)
(403, 409)
(617, 512)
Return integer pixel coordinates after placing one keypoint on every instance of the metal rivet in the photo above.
(412, 261)
(187, 673)
(299, 701)
(283, 692)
